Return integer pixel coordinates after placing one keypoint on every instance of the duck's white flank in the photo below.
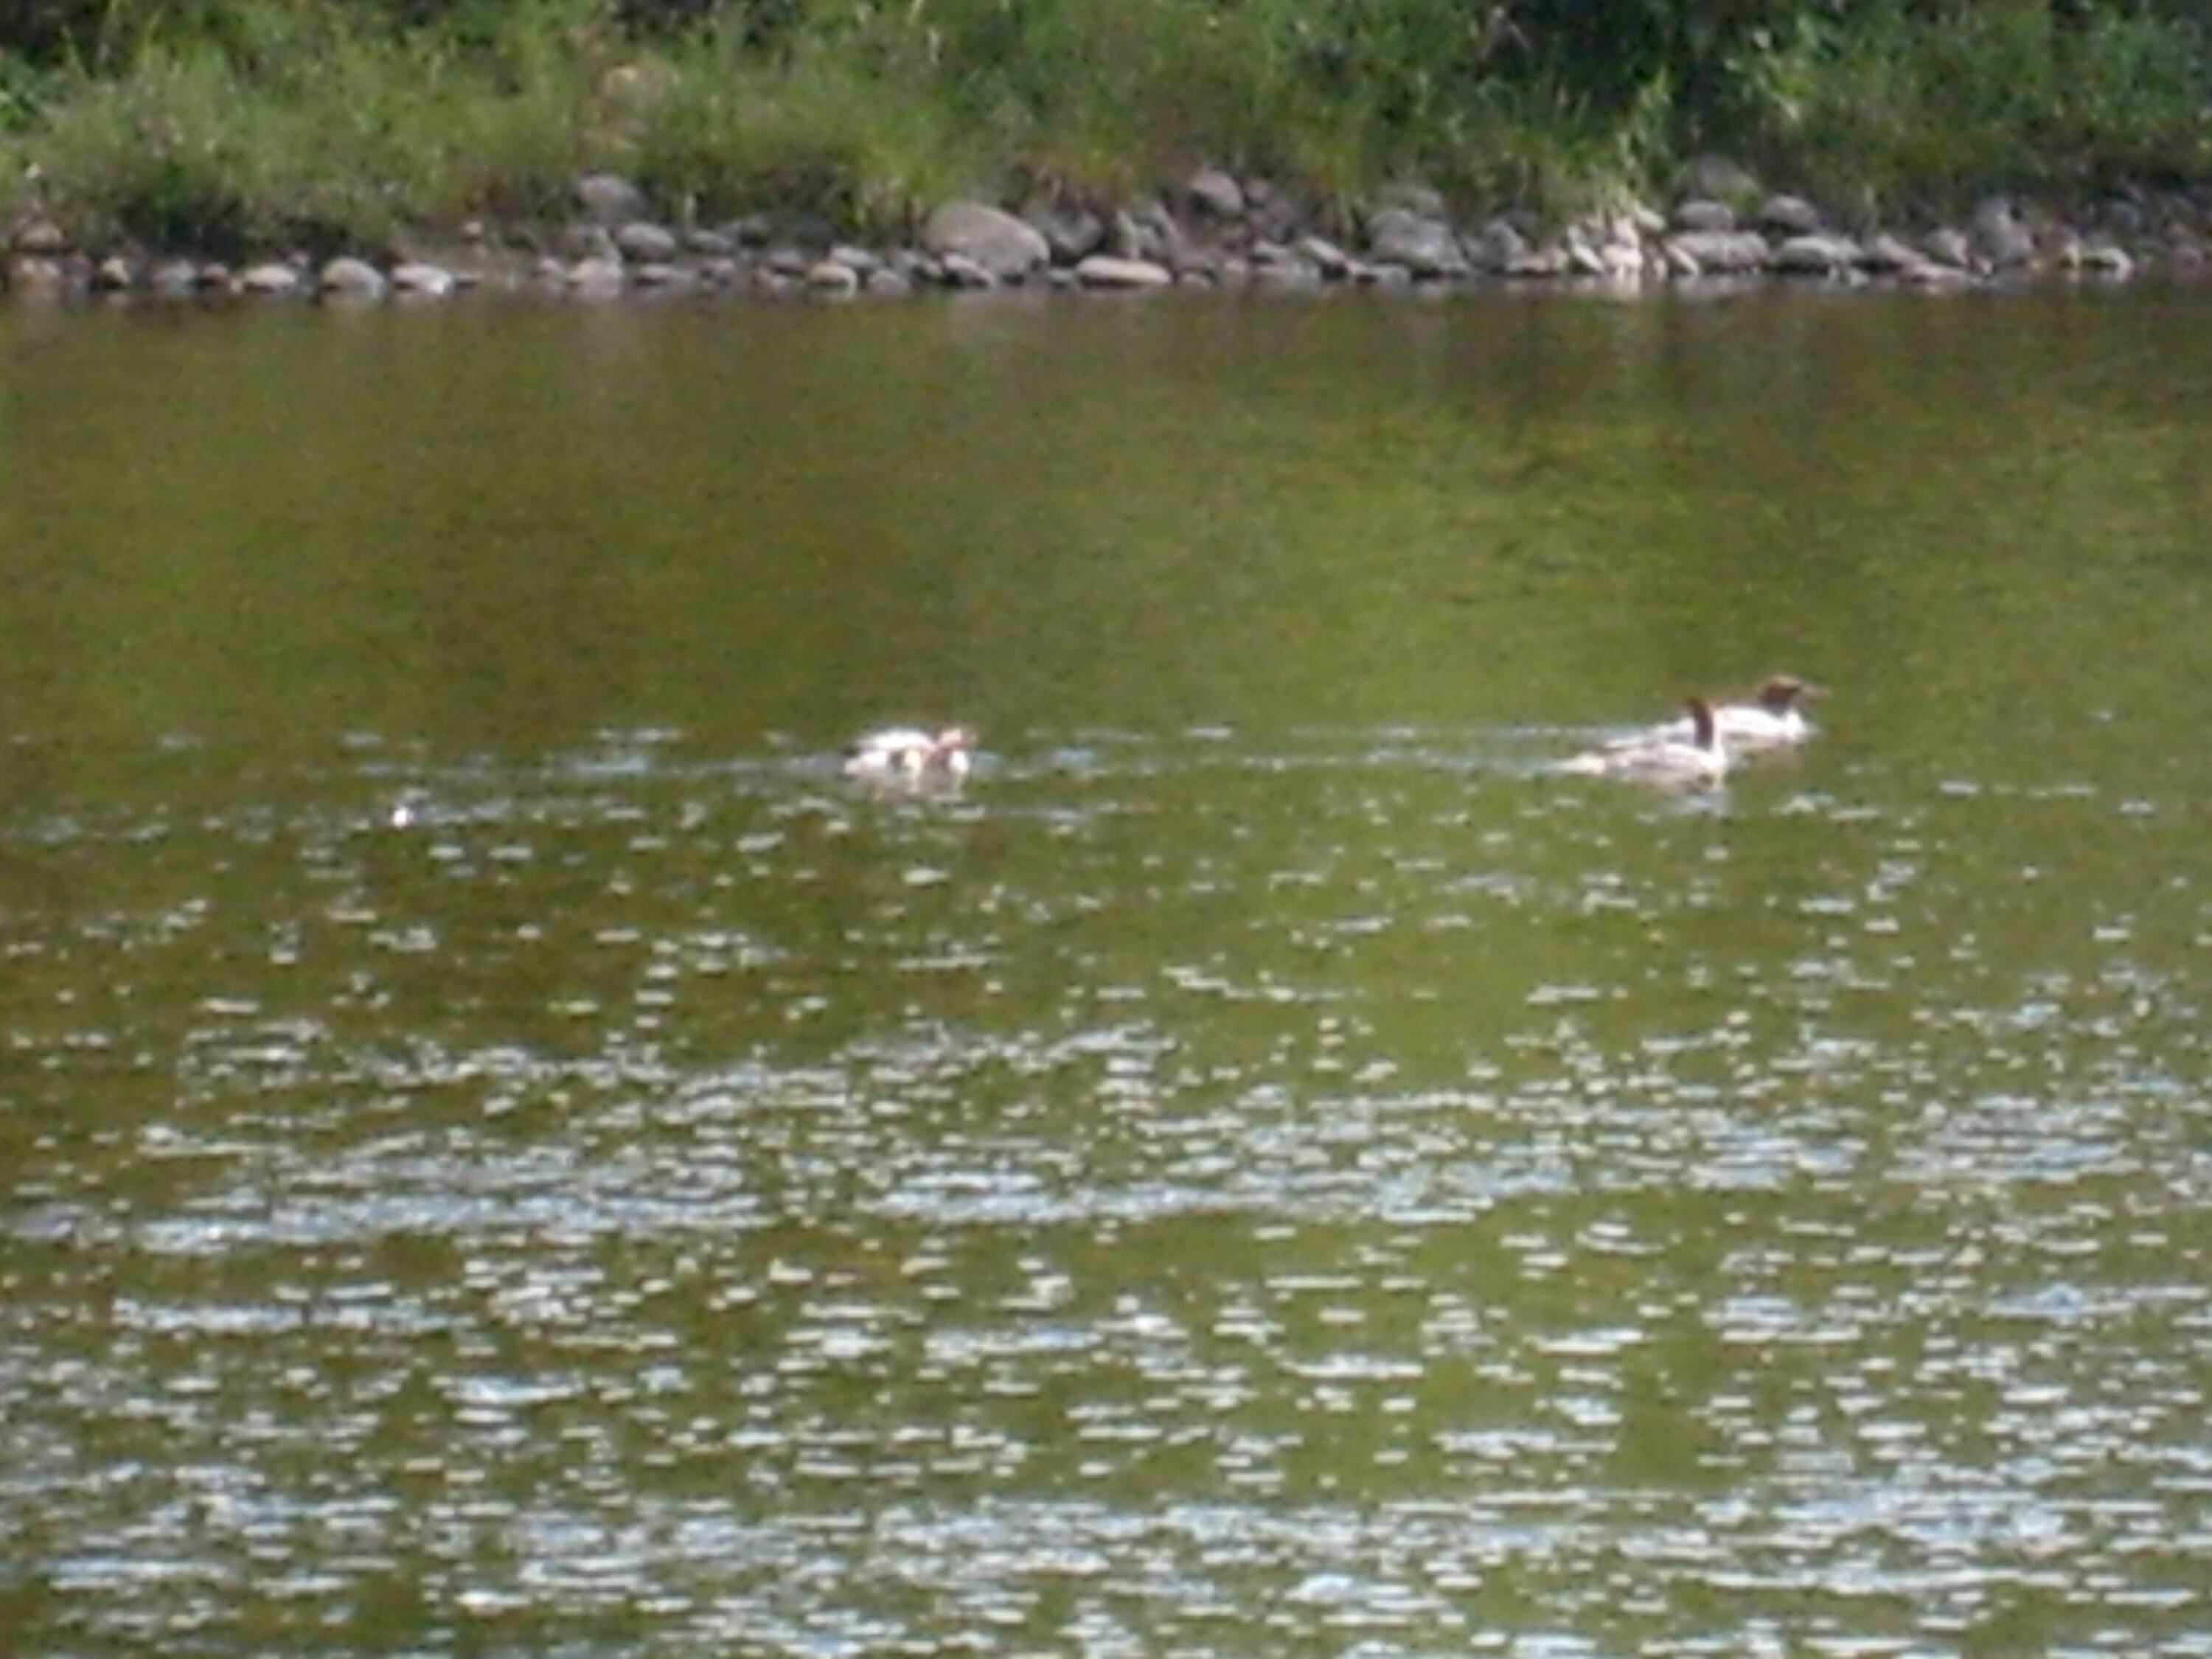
(1697, 758)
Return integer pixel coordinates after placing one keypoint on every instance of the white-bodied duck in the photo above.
(1696, 759)
(1774, 718)
(909, 755)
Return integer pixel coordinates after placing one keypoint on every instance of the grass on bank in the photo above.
(274, 124)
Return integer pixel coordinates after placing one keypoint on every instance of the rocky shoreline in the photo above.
(1210, 230)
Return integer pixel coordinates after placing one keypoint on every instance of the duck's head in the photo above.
(1783, 692)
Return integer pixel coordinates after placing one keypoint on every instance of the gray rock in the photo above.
(786, 260)
(1424, 247)
(433, 282)
(114, 275)
(601, 276)
(1070, 233)
(1702, 213)
(1929, 274)
(1105, 270)
(832, 279)
(859, 261)
(1818, 254)
(720, 270)
(1582, 259)
(1273, 213)
(962, 272)
(587, 242)
(1001, 245)
(708, 244)
(887, 281)
(1679, 262)
(39, 236)
(1552, 259)
(1884, 253)
(271, 278)
(609, 200)
(1947, 246)
(1211, 192)
(1789, 216)
(1497, 245)
(664, 274)
(36, 277)
(1325, 257)
(351, 278)
(1998, 235)
(646, 242)
(1713, 251)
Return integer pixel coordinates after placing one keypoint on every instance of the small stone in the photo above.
(269, 279)
(1071, 233)
(1947, 246)
(1882, 252)
(647, 243)
(1702, 213)
(114, 275)
(1818, 254)
(663, 275)
(1105, 270)
(609, 200)
(39, 236)
(1424, 247)
(1998, 235)
(432, 282)
(1789, 216)
(832, 279)
(36, 277)
(961, 271)
(1325, 257)
(346, 277)
(596, 278)
(1214, 192)
(1497, 245)
(1715, 250)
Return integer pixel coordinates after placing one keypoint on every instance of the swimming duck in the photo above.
(1698, 759)
(1773, 718)
(908, 755)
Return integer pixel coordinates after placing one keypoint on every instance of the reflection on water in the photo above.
(1246, 1176)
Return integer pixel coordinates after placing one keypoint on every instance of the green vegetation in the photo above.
(223, 125)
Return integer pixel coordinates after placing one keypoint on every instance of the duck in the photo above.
(910, 755)
(1774, 718)
(1696, 759)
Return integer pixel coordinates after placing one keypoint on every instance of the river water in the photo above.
(506, 1154)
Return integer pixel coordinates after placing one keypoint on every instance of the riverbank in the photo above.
(1211, 229)
(607, 147)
